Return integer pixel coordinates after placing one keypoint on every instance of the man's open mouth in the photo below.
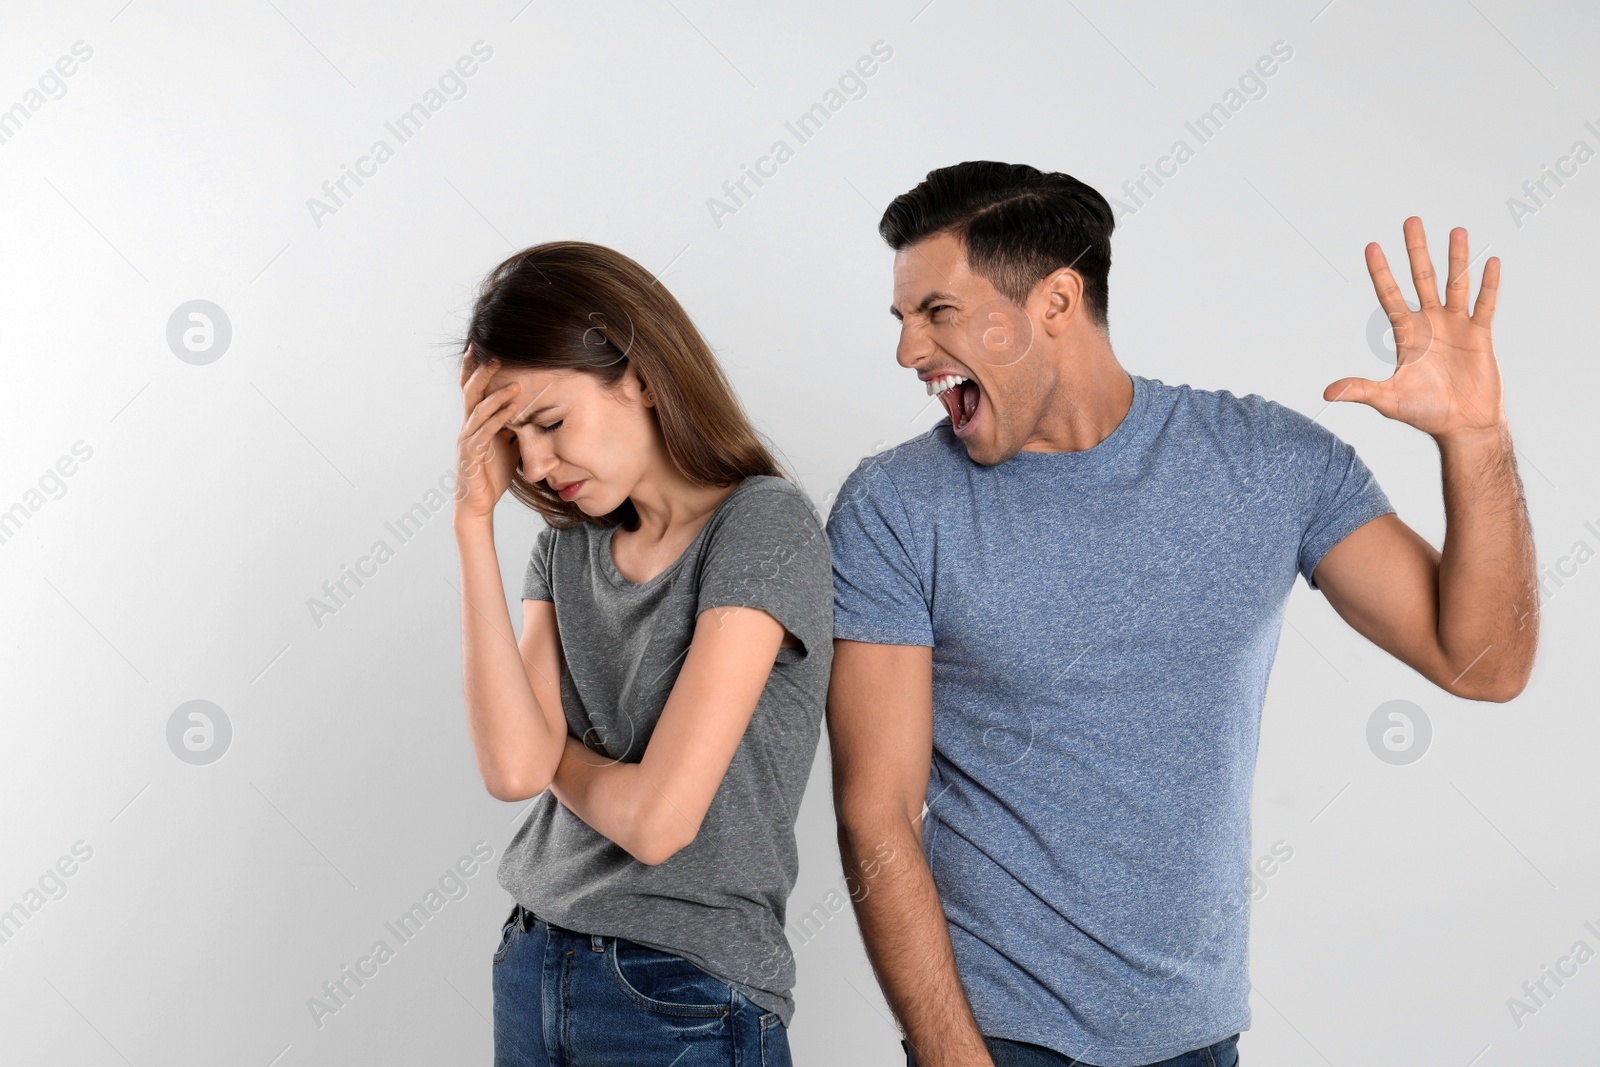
(960, 397)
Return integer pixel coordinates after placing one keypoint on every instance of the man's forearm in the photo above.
(902, 923)
(1488, 591)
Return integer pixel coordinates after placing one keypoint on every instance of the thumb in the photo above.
(1357, 390)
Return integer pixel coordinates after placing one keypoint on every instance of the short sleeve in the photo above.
(536, 579)
(771, 553)
(1341, 495)
(878, 592)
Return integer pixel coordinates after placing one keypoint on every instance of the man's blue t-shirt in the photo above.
(1103, 623)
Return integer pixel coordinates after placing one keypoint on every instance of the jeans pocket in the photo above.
(1224, 1053)
(774, 1042)
(509, 932)
(662, 982)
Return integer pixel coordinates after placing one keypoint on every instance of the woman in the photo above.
(665, 699)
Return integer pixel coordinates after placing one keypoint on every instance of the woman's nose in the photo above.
(536, 462)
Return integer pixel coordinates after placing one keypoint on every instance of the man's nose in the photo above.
(913, 347)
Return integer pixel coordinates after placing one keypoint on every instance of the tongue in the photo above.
(960, 402)
(969, 400)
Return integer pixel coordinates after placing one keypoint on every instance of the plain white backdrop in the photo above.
(180, 559)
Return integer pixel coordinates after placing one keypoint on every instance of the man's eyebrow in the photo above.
(937, 294)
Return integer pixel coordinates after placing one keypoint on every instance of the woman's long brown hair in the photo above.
(576, 306)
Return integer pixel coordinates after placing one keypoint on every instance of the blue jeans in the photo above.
(1006, 1053)
(568, 999)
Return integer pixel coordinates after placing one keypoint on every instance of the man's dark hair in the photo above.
(1019, 224)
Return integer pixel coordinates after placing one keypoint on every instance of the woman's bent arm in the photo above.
(655, 807)
(512, 697)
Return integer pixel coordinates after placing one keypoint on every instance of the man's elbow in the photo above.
(1502, 692)
(865, 823)
(1499, 688)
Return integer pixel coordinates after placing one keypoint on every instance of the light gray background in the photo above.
(176, 563)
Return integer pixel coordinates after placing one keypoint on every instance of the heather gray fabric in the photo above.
(1103, 623)
(720, 902)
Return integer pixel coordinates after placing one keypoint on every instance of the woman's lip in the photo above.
(567, 490)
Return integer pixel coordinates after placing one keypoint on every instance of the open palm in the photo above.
(1446, 379)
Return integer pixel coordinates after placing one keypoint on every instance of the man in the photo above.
(1067, 599)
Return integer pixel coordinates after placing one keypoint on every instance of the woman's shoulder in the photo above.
(767, 529)
(773, 497)
(766, 514)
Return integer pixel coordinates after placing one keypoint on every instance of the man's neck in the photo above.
(1092, 397)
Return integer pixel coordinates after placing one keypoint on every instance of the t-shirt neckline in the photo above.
(1115, 444)
(622, 581)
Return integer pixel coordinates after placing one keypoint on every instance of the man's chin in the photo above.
(985, 454)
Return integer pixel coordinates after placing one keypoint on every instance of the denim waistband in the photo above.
(528, 921)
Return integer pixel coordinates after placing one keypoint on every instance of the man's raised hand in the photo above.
(1446, 381)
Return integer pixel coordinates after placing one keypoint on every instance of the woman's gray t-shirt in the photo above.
(719, 902)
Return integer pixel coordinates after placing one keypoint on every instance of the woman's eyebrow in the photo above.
(528, 416)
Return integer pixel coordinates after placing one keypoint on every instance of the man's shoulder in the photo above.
(1227, 412)
(1259, 438)
(1221, 403)
(919, 461)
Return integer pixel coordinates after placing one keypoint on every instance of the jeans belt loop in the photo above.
(597, 942)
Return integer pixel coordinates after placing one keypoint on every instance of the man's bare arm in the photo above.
(1467, 619)
(880, 734)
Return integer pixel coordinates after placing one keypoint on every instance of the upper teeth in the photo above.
(939, 385)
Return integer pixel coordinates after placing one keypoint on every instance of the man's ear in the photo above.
(1061, 294)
